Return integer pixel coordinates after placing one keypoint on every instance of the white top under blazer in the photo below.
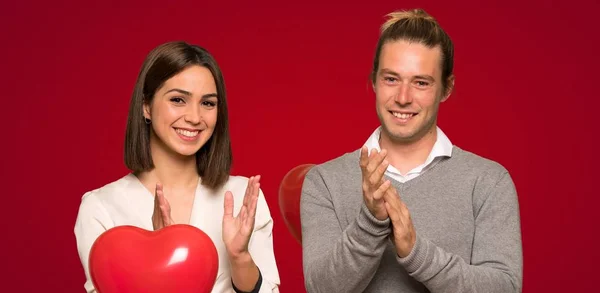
(127, 202)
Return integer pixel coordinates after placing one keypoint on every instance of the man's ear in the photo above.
(373, 80)
(449, 88)
(373, 85)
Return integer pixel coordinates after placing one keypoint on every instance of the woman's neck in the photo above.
(170, 168)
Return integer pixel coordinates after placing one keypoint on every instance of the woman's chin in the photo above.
(187, 152)
(184, 151)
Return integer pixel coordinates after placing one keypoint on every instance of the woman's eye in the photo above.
(177, 100)
(209, 104)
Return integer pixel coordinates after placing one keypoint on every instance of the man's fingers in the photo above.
(379, 193)
(402, 208)
(394, 215)
(388, 196)
(375, 160)
(393, 199)
(405, 212)
(376, 177)
(371, 164)
(364, 157)
(389, 210)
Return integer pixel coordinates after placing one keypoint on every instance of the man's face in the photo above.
(408, 89)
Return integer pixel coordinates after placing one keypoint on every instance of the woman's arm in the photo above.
(249, 243)
(92, 220)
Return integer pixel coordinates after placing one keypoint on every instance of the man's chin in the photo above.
(398, 136)
(402, 138)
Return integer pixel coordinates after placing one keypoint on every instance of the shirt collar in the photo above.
(441, 148)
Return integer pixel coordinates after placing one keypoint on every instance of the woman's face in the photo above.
(184, 111)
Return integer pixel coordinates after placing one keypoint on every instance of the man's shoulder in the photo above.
(338, 170)
(346, 162)
(477, 163)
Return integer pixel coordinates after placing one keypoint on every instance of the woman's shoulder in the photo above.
(236, 181)
(111, 190)
(101, 203)
(237, 178)
(237, 184)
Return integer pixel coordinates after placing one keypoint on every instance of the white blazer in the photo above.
(127, 202)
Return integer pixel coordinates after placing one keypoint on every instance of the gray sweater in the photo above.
(465, 212)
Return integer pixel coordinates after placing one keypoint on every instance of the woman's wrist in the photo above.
(245, 275)
(242, 260)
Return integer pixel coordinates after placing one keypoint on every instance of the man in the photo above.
(410, 212)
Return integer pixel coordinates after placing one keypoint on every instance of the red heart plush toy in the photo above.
(177, 258)
(289, 198)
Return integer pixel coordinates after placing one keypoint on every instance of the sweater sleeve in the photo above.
(496, 261)
(337, 259)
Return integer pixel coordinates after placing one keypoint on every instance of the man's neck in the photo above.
(405, 156)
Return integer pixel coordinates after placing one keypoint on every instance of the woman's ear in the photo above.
(146, 109)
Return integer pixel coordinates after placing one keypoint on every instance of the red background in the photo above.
(297, 75)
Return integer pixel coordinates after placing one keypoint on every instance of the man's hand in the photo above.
(403, 231)
(373, 167)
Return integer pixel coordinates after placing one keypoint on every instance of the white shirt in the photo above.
(441, 148)
(127, 202)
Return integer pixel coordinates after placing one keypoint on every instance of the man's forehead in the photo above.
(403, 56)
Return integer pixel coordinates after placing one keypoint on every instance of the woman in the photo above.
(178, 149)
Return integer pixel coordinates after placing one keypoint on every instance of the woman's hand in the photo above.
(237, 230)
(162, 210)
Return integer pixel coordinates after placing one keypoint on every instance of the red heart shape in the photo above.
(177, 258)
(290, 191)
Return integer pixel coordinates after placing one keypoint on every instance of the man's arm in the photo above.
(496, 261)
(337, 259)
